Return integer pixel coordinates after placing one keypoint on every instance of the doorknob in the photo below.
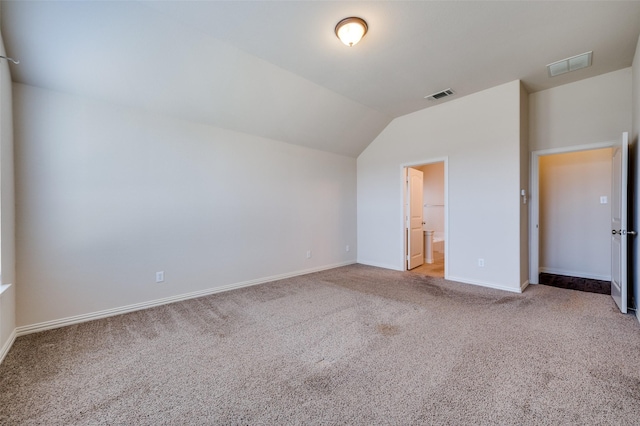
(621, 232)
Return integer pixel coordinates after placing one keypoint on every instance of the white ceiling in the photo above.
(275, 68)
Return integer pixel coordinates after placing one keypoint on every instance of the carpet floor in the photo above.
(352, 345)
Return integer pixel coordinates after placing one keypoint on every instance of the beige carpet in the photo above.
(354, 345)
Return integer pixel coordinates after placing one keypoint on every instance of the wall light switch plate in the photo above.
(603, 199)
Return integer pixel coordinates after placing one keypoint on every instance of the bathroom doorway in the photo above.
(434, 218)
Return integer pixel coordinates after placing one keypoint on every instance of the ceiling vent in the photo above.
(439, 95)
(570, 64)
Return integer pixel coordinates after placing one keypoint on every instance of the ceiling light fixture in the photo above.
(351, 30)
(570, 64)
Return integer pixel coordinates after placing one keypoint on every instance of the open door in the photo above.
(619, 223)
(415, 235)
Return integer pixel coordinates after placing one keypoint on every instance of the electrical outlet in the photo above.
(160, 276)
(347, 248)
(308, 254)
(481, 263)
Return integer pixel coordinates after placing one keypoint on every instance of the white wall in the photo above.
(107, 196)
(575, 228)
(433, 199)
(589, 111)
(7, 226)
(480, 135)
(634, 138)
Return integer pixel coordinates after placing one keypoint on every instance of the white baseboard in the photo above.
(486, 284)
(63, 322)
(379, 265)
(524, 285)
(566, 273)
(7, 345)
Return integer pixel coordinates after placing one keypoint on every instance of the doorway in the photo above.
(425, 206)
(571, 215)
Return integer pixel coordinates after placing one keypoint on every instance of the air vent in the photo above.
(570, 64)
(440, 95)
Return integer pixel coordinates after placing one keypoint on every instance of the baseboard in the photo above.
(524, 285)
(566, 273)
(485, 284)
(638, 315)
(77, 319)
(7, 345)
(379, 265)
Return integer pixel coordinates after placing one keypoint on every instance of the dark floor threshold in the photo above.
(576, 283)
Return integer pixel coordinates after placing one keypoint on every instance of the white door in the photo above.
(619, 223)
(415, 235)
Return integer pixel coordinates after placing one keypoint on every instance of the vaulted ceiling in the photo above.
(276, 69)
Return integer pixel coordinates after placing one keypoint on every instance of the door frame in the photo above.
(534, 204)
(403, 198)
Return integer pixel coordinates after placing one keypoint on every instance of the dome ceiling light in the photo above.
(351, 30)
